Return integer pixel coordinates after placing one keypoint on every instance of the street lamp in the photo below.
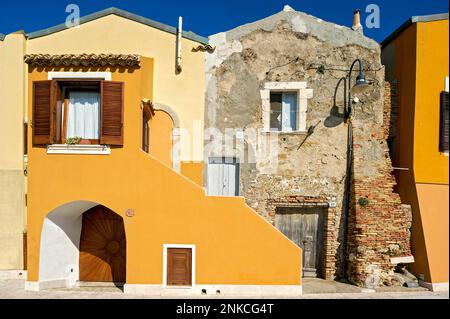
(360, 86)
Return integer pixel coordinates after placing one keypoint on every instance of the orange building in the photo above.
(416, 57)
(114, 174)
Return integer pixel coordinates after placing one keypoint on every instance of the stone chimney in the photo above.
(357, 21)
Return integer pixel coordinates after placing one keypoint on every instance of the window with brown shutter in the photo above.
(179, 267)
(111, 123)
(45, 96)
(444, 123)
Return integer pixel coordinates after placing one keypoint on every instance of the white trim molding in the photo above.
(78, 149)
(440, 286)
(80, 75)
(167, 246)
(303, 95)
(253, 291)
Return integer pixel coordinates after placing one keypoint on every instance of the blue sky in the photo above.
(208, 17)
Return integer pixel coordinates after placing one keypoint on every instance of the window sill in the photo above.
(79, 149)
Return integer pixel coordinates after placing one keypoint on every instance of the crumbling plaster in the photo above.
(292, 46)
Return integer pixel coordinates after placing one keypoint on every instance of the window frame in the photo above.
(166, 247)
(283, 93)
(62, 120)
(303, 95)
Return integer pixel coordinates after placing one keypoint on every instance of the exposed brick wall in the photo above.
(380, 230)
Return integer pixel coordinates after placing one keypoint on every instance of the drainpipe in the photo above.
(347, 194)
(179, 37)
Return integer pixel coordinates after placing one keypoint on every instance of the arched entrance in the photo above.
(82, 241)
(102, 246)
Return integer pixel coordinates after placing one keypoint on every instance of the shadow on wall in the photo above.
(336, 116)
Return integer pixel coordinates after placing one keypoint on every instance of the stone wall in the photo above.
(295, 47)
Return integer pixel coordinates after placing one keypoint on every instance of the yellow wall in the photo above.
(430, 166)
(183, 92)
(234, 244)
(161, 127)
(12, 179)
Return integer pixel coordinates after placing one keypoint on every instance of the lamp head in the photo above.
(361, 84)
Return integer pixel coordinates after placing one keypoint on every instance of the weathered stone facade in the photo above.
(307, 168)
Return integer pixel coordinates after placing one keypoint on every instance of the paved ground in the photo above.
(14, 289)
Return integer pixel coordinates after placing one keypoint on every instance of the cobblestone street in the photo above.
(14, 289)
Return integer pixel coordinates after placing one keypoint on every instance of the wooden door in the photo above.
(304, 226)
(179, 267)
(223, 177)
(102, 247)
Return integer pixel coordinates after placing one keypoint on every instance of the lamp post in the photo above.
(361, 85)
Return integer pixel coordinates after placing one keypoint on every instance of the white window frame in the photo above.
(283, 111)
(106, 76)
(193, 249)
(303, 94)
(79, 149)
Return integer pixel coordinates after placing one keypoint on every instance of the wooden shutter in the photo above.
(112, 103)
(179, 267)
(444, 123)
(45, 96)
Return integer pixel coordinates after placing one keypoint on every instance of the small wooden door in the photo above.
(102, 247)
(223, 177)
(304, 226)
(179, 267)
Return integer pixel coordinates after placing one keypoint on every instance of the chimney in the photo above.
(357, 21)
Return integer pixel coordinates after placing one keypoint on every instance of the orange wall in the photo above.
(430, 166)
(434, 201)
(418, 59)
(193, 171)
(234, 244)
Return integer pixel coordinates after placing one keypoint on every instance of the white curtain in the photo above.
(83, 115)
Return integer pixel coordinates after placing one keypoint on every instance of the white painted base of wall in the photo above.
(441, 286)
(13, 274)
(225, 290)
(50, 284)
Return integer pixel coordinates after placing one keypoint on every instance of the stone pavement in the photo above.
(14, 289)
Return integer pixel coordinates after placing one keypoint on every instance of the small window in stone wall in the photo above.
(283, 111)
(284, 106)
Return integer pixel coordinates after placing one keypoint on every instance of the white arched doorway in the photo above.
(61, 239)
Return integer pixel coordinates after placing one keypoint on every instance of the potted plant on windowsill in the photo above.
(73, 140)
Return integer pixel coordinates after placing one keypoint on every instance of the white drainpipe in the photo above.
(179, 36)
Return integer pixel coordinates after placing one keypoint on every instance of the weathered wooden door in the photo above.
(304, 226)
(102, 247)
(223, 177)
(179, 267)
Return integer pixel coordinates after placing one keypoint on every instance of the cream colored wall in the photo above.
(184, 92)
(12, 179)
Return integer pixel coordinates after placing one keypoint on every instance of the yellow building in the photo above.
(417, 63)
(114, 135)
